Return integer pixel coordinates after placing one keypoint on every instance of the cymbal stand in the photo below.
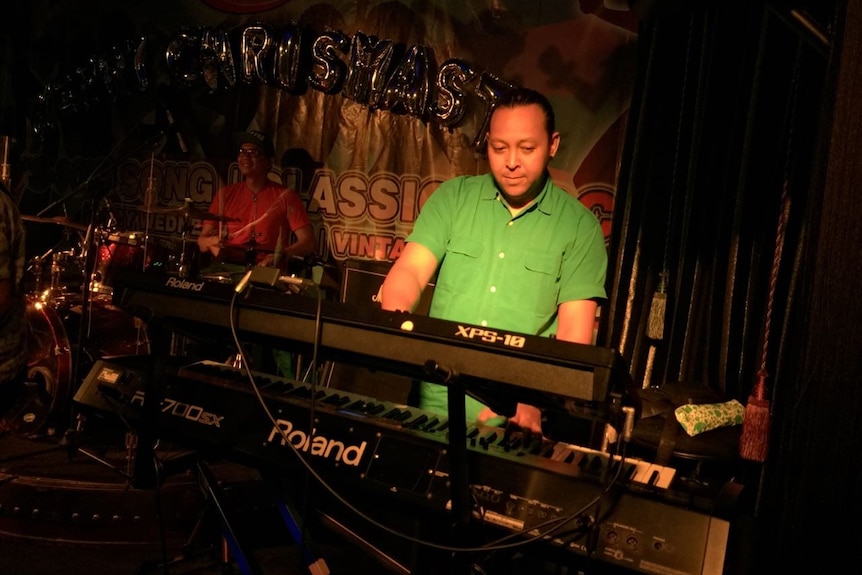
(149, 202)
(185, 264)
(89, 252)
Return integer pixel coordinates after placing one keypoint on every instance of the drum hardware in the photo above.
(35, 270)
(101, 330)
(49, 365)
(55, 275)
(60, 270)
(188, 211)
(59, 220)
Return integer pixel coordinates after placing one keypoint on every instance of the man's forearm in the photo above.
(298, 249)
(400, 291)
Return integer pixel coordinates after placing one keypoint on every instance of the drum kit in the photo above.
(71, 319)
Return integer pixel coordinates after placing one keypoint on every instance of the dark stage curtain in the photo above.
(744, 134)
(723, 131)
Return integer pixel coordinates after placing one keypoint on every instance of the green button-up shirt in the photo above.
(507, 272)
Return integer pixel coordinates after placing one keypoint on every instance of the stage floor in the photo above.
(70, 509)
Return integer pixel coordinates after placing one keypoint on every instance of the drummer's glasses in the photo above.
(250, 152)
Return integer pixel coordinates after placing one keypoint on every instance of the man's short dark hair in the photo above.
(517, 97)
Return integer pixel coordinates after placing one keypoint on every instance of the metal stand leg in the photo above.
(235, 546)
(316, 565)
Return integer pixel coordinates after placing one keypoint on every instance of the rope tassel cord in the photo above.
(658, 309)
(754, 440)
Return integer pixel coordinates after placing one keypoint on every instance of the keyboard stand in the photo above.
(147, 474)
(215, 497)
(291, 518)
(460, 493)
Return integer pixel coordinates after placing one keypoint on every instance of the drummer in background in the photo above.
(13, 334)
(263, 219)
(264, 216)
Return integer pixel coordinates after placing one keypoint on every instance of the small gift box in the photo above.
(697, 418)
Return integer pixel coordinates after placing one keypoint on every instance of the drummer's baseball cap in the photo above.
(258, 138)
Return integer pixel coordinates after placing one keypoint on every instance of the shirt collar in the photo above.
(490, 192)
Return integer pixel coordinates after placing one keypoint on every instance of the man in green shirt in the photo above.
(514, 251)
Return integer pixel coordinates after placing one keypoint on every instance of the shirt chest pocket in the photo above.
(458, 248)
(461, 268)
(542, 271)
(542, 263)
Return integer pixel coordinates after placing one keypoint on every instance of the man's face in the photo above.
(252, 160)
(519, 149)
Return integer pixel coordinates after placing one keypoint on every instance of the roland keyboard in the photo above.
(392, 452)
(585, 380)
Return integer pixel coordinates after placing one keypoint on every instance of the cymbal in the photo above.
(60, 220)
(188, 212)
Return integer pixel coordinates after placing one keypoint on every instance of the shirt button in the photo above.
(511, 223)
(483, 323)
(501, 255)
(493, 289)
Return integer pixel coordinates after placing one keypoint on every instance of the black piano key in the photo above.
(344, 400)
(375, 408)
(596, 463)
(277, 387)
(398, 414)
(616, 466)
(629, 471)
(527, 440)
(335, 399)
(301, 392)
(580, 459)
(488, 440)
(432, 425)
(512, 443)
(542, 448)
(417, 422)
(406, 414)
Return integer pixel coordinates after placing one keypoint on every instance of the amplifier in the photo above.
(362, 279)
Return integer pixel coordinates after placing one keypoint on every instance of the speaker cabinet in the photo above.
(362, 280)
